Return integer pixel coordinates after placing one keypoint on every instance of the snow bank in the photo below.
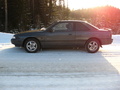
(5, 40)
(5, 37)
(116, 39)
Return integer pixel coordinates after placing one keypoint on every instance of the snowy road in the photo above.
(16, 60)
(60, 69)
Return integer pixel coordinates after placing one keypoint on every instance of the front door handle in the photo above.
(70, 34)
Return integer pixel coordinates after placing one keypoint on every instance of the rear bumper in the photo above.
(106, 41)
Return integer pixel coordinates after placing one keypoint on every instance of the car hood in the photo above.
(38, 30)
(30, 32)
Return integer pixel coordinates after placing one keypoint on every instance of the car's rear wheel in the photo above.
(92, 45)
(32, 45)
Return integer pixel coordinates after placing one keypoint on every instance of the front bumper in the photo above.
(17, 42)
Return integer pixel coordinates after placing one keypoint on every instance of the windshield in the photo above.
(50, 25)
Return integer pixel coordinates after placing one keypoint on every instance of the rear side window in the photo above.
(81, 27)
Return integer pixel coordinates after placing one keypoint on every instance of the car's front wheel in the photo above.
(31, 45)
(92, 45)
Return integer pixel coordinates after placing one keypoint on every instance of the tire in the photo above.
(92, 45)
(32, 45)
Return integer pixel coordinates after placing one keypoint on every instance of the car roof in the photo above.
(71, 21)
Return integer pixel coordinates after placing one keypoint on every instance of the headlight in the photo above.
(13, 37)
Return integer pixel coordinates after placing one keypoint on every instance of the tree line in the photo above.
(25, 15)
(31, 14)
(102, 17)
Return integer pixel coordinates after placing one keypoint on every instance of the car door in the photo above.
(82, 33)
(61, 34)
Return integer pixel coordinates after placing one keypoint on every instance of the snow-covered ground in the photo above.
(5, 37)
(59, 69)
(5, 40)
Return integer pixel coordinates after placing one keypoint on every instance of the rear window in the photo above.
(81, 27)
(90, 25)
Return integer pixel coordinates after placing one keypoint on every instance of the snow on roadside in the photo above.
(5, 40)
(116, 39)
(5, 37)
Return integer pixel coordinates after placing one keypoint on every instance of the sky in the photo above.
(78, 4)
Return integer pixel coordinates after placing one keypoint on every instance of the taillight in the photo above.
(110, 33)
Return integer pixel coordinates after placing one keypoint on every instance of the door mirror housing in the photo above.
(43, 29)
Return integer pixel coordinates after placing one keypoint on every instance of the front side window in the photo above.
(81, 27)
(63, 26)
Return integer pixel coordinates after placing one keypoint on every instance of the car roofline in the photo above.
(71, 21)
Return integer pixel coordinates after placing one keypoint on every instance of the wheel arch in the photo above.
(95, 39)
(31, 38)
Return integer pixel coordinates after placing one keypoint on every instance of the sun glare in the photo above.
(78, 4)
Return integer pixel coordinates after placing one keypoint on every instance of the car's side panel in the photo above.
(83, 33)
(59, 38)
(82, 37)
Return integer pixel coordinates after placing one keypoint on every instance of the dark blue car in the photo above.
(65, 33)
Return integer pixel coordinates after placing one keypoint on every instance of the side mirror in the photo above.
(42, 29)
